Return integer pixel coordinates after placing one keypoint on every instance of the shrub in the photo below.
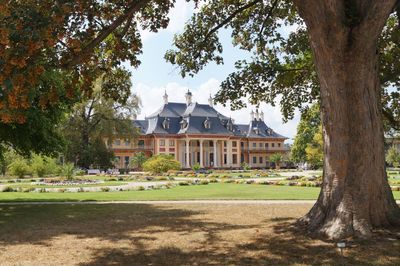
(183, 183)
(204, 182)
(140, 188)
(28, 189)
(62, 190)
(19, 167)
(81, 189)
(68, 171)
(8, 189)
(249, 181)
(196, 167)
(105, 189)
(161, 164)
(245, 166)
(42, 190)
(213, 180)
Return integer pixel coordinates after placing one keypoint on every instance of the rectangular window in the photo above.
(141, 143)
(254, 145)
(225, 159)
(224, 143)
(279, 144)
(272, 145)
(127, 142)
(260, 145)
(126, 161)
(171, 142)
(234, 158)
(117, 142)
(266, 145)
(242, 144)
(254, 159)
(234, 144)
(261, 159)
(162, 142)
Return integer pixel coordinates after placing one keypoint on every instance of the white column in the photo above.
(187, 153)
(229, 152)
(201, 154)
(215, 153)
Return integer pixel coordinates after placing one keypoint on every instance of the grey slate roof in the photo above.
(194, 115)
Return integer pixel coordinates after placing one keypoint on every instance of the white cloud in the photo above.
(152, 100)
(178, 16)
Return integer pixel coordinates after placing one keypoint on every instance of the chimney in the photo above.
(251, 115)
(210, 101)
(257, 115)
(165, 97)
(188, 97)
(262, 116)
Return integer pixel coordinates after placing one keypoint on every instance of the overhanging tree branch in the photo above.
(230, 17)
(87, 50)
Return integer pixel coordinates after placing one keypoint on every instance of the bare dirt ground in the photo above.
(175, 234)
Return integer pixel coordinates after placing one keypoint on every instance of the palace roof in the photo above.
(194, 118)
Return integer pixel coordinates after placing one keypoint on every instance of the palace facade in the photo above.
(197, 133)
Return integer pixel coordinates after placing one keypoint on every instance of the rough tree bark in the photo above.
(355, 196)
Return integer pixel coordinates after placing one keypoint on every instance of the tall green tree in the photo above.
(52, 51)
(343, 52)
(393, 157)
(98, 117)
(315, 149)
(306, 130)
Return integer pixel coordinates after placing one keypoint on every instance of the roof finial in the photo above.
(188, 97)
(165, 97)
(210, 101)
(252, 115)
(257, 115)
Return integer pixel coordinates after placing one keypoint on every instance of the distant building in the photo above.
(197, 133)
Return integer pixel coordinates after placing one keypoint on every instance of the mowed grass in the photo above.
(180, 234)
(197, 192)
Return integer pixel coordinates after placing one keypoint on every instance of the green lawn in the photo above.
(211, 191)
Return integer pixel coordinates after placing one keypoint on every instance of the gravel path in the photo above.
(266, 202)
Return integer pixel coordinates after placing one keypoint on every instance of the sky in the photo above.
(155, 76)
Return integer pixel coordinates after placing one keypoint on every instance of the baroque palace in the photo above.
(197, 133)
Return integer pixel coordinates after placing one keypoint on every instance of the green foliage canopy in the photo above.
(281, 67)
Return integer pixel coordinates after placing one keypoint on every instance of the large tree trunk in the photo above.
(355, 196)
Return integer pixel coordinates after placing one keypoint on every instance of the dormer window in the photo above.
(256, 130)
(207, 123)
(184, 124)
(165, 123)
(270, 131)
(229, 125)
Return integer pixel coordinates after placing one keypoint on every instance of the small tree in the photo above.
(19, 167)
(161, 164)
(38, 166)
(68, 171)
(196, 167)
(277, 159)
(245, 166)
(393, 157)
(315, 150)
(138, 160)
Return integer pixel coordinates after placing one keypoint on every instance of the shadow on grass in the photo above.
(277, 241)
